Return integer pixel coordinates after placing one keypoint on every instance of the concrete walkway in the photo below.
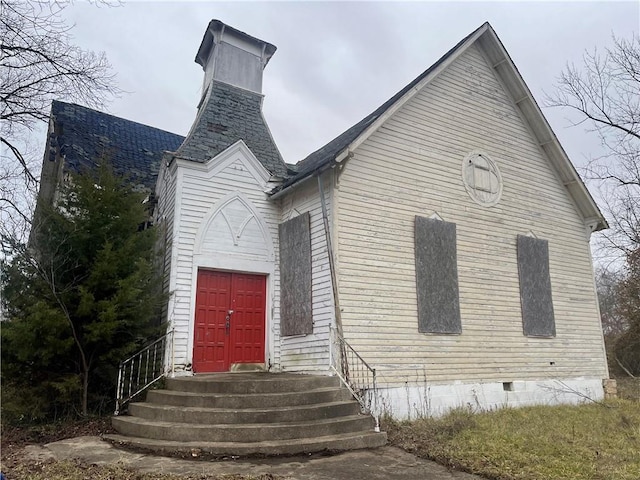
(381, 463)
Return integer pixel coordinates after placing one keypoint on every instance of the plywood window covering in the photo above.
(437, 276)
(535, 287)
(296, 313)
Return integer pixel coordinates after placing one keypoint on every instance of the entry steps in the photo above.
(246, 414)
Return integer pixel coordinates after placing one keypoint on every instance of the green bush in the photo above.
(80, 298)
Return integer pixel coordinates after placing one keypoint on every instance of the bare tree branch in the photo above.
(20, 158)
(626, 370)
(39, 63)
(605, 92)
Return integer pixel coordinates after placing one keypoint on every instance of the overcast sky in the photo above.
(336, 62)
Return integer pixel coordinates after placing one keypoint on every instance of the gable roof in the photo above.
(83, 135)
(341, 147)
(331, 150)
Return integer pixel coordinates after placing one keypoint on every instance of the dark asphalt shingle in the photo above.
(85, 136)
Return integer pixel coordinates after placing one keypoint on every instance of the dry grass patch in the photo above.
(591, 441)
(18, 466)
(68, 470)
(629, 388)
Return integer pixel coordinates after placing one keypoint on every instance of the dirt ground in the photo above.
(76, 451)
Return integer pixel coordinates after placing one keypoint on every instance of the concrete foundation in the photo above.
(413, 400)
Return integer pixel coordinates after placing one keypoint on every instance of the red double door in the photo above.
(230, 320)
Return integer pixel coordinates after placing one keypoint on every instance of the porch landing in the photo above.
(247, 414)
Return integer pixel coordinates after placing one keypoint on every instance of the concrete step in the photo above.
(247, 414)
(243, 433)
(250, 383)
(330, 443)
(256, 400)
(200, 415)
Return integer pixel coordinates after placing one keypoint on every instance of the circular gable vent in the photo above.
(482, 179)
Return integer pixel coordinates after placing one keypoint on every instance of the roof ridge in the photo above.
(76, 105)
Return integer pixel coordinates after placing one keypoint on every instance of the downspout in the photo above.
(343, 155)
(340, 157)
(334, 284)
(332, 267)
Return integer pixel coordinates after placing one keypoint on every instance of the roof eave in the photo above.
(513, 82)
(218, 26)
(284, 188)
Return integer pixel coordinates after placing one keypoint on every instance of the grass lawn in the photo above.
(590, 441)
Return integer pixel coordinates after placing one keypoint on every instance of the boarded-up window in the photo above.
(296, 314)
(535, 287)
(437, 276)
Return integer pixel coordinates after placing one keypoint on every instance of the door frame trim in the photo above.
(235, 265)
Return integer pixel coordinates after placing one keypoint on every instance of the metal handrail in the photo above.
(355, 374)
(143, 369)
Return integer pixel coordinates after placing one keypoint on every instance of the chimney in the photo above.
(233, 57)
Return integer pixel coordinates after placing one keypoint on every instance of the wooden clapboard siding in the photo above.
(311, 352)
(199, 193)
(164, 219)
(412, 166)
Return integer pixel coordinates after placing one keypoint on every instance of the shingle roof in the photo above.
(84, 136)
(229, 114)
(326, 154)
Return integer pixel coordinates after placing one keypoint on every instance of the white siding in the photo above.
(164, 220)
(311, 352)
(412, 166)
(201, 188)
